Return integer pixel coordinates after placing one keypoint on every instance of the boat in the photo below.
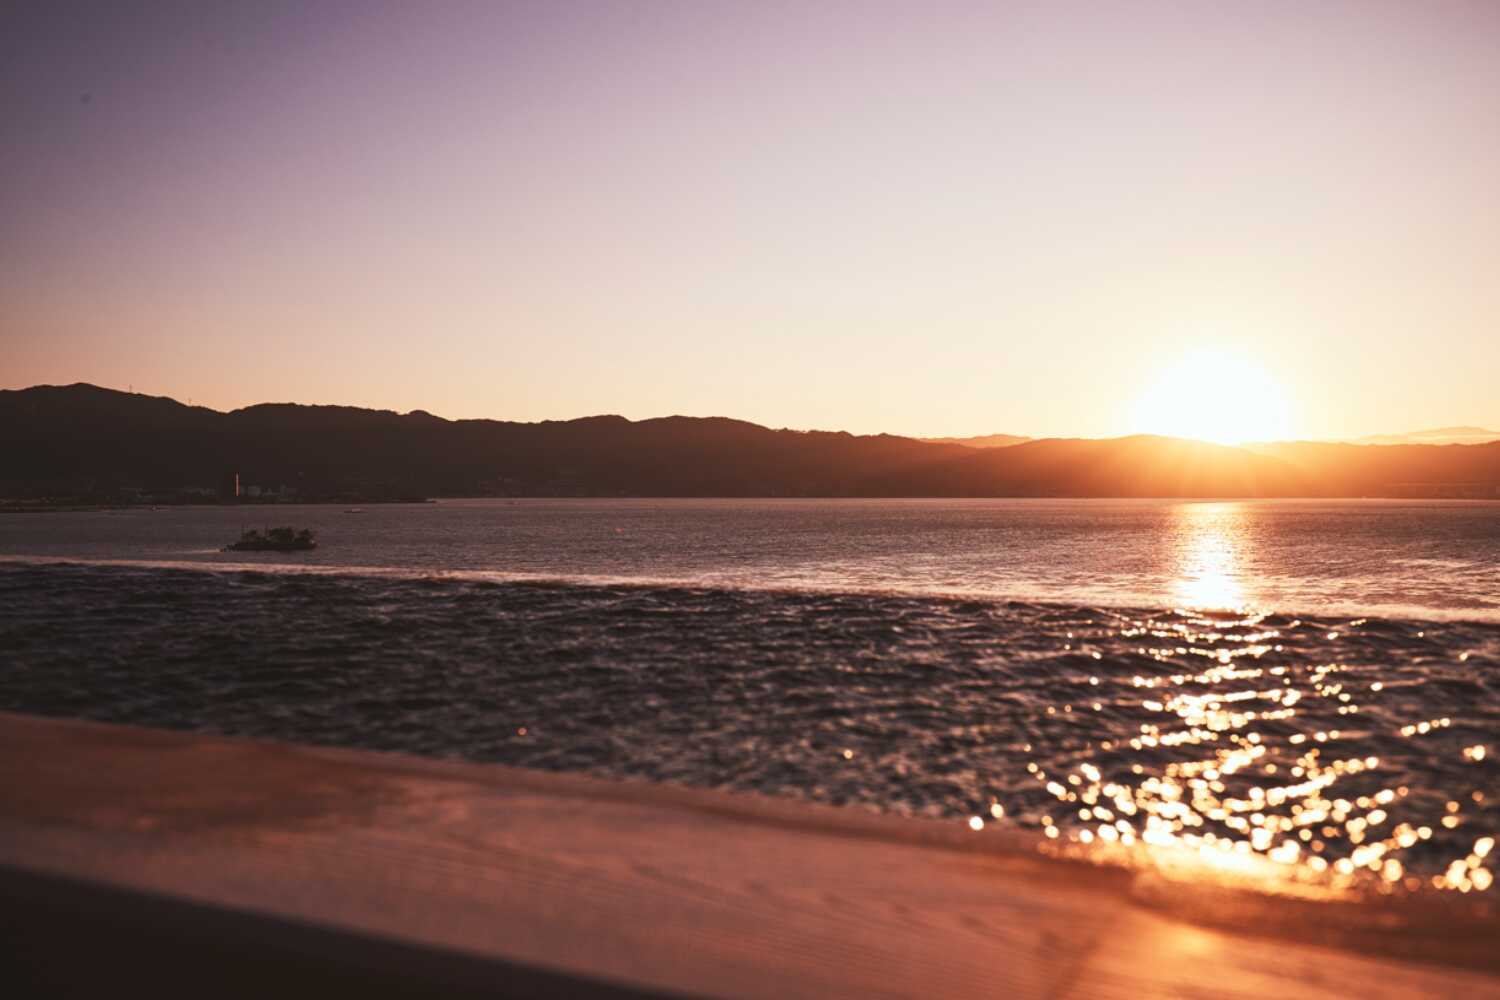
(274, 540)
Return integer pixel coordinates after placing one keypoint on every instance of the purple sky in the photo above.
(938, 218)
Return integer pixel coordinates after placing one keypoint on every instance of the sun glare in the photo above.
(1213, 396)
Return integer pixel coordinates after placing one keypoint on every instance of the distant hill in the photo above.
(1394, 470)
(1438, 435)
(983, 441)
(85, 441)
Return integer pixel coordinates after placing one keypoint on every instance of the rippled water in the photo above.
(864, 653)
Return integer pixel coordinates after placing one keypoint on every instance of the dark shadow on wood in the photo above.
(67, 938)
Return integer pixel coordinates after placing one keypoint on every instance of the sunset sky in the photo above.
(927, 218)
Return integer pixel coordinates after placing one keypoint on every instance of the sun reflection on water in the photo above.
(1252, 764)
(1211, 538)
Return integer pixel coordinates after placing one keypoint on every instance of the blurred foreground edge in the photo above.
(64, 937)
(175, 864)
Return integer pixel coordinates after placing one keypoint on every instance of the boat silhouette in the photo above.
(284, 539)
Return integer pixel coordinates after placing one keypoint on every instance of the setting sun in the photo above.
(1213, 396)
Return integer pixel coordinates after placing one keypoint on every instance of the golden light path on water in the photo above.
(1210, 536)
(1282, 811)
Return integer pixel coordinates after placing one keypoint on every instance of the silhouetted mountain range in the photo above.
(84, 441)
(982, 441)
(1437, 435)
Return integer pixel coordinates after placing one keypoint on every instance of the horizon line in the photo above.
(1366, 440)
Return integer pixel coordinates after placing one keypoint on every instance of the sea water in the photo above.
(1304, 688)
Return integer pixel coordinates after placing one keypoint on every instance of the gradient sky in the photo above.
(927, 218)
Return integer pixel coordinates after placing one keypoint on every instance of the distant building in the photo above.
(229, 488)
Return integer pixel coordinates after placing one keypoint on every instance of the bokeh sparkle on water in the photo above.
(1265, 770)
(1271, 767)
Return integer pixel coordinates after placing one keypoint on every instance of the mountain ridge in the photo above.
(981, 440)
(1435, 435)
(84, 440)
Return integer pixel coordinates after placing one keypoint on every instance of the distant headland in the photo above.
(82, 444)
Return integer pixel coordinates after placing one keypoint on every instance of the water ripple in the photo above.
(1336, 752)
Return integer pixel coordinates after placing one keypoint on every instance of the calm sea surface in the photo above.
(1306, 691)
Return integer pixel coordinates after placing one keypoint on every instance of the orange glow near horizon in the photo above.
(1215, 396)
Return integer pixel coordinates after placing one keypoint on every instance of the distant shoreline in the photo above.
(87, 508)
(86, 445)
